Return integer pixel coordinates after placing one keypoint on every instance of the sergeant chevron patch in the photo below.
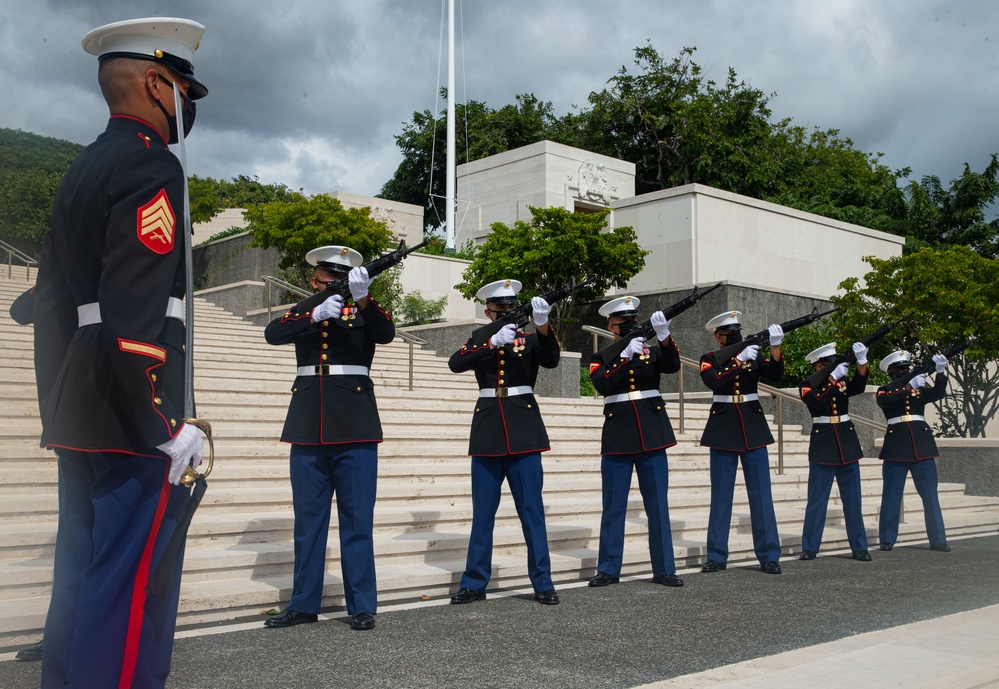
(156, 224)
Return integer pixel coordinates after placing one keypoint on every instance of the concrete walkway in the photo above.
(912, 618)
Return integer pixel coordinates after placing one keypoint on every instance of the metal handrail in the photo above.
(278, 282)
(411, 340)
(12, 252)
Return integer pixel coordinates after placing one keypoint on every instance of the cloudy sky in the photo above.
(310, 93)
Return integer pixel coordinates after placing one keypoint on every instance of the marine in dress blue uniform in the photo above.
(737, 431)
(334, 431)
(109, 365)
(909, 447)
(507, 438)
(635, 436)
(834, 451)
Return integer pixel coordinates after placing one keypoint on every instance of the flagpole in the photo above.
(449, 144)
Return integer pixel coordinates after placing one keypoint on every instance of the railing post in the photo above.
(680, 399)
(269, 316)
(780, 435)
(410, 365)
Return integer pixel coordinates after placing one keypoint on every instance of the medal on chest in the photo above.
(348, 313)
(519, 344)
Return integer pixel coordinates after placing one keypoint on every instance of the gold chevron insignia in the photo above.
(157, 223)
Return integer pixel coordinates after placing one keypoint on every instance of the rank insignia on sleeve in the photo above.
(805, 390)
(594, 366)
(705, 365)
(156, 224)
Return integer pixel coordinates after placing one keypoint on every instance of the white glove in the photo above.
(541, 309)
(776, 335)
(636, 346)
(839, 373)
(329, 309)
(860, 351)
(359, 281)
(918, 381)
(660, 325)
(749, 353)
(941, 361)
(185, 450)
(504, 335)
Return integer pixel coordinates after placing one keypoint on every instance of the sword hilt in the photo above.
(189, 476)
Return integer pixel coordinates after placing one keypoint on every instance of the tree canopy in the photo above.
(554, 248)
(299, 224)
(953, 294)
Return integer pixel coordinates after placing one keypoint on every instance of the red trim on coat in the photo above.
(137, 610)
(49, 446)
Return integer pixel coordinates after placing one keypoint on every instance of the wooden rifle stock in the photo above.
(522, 314)
(341, 286)
(763, 337)
(849, 357)
(612, 352)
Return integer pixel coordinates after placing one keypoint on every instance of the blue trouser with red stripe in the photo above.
(820, 480)
(116, 515)
(653, 483)
(350, 471)
(526, 478)
(756, 471)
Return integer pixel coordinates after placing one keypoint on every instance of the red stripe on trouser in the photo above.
(138, 608)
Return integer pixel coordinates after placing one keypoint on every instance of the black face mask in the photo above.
(897, 371)
(626, 327)
(188, 111)
(732, 337)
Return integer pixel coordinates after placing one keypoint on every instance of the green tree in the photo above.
(938, 217)
(555, 247)
(953, 294)
(417, 309)
(300, 224)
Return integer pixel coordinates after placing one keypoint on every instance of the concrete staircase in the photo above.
(239, 556)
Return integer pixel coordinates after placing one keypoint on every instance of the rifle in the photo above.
(341, 286)
(848, 358)
(763, 337)
(928, 366)
(612, 352)
(522, 314)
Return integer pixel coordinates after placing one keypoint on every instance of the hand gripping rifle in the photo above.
(928, 366)
(612, 352)
(522, 314)
(763, 337)
(849, 357)
(341, 286)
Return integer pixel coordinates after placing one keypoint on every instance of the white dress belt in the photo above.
(831, 419)
(506, 392)
(633, 395)
(332, 370)
(736, 399)
(90, 314)
(904, 418)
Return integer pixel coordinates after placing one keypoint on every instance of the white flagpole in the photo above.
(450, 164)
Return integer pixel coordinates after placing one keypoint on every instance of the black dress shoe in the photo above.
(940, 547)
(667, 580)
(31, 653)
(466, 596)
(806, 555)
(289, 618)
(862, 556)
(771, 568)
(603, 580)
(362, 621)
(886, 546)
(547, 597)
(712, 566)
